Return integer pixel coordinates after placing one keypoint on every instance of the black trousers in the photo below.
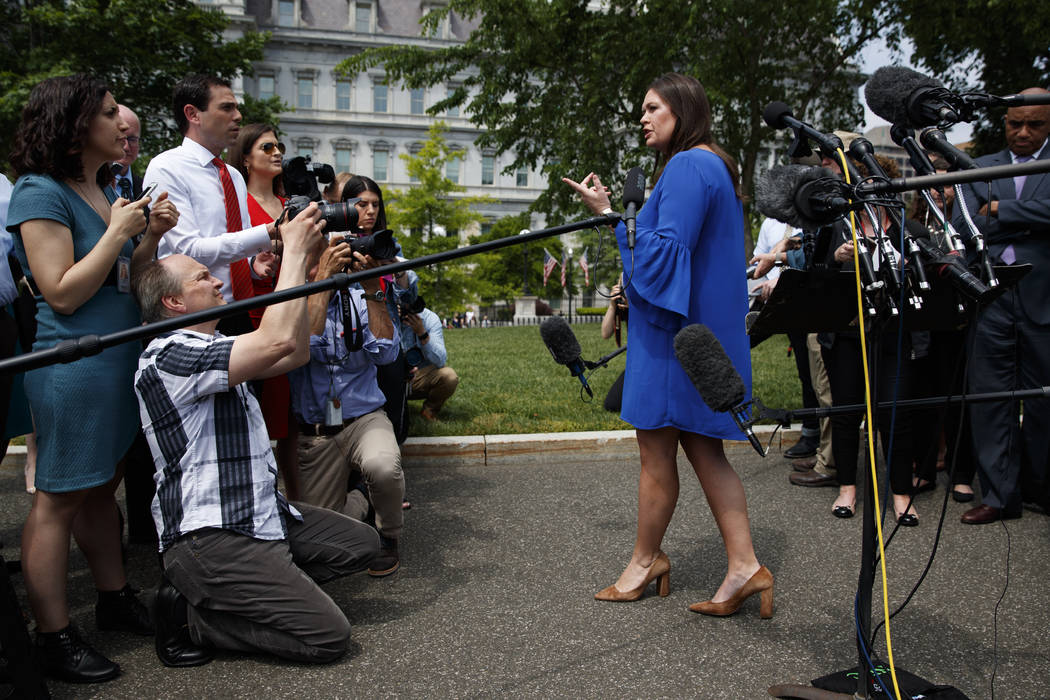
(845, 370)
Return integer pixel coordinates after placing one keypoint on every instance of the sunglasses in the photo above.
(268, 147)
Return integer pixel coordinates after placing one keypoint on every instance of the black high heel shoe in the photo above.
(908, 520)
(843, 511)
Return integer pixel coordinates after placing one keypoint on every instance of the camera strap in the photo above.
(355, 339)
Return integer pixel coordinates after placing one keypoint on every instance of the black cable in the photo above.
(995, 614)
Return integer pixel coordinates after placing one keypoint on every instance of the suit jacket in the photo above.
(136, 185)
(1023, 223)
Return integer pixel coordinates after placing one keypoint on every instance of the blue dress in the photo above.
(688, 268)
(85, 412)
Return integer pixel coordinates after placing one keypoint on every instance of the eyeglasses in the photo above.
(132, 139)
(268, 147)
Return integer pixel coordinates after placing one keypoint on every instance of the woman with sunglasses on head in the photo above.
(76, 241)
(681, 272)
(258, 155)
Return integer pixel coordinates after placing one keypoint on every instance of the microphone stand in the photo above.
(604, 360)
(73, 349)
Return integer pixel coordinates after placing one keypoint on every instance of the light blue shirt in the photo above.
(8, 290)
(335, 372)
(434, 349)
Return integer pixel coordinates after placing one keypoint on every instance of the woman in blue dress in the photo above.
(73, 237)
(685, 270)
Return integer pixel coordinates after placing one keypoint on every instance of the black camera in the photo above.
(380, 245)
(341, 216)
(301, 176)
(415, 307)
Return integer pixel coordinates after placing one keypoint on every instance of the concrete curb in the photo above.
(502, 450)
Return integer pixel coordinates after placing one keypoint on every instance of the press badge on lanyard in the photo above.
(124, 275)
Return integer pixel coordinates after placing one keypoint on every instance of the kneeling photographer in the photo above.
(337, 401)
(423, 343)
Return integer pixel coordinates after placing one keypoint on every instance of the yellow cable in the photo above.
(871, 434)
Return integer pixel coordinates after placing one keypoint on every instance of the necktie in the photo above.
(125, 187)
(240, 276)
(1019, 181)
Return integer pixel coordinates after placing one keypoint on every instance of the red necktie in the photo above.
(240, 275)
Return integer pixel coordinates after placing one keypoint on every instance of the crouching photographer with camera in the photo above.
(424, 345)
(338, 403)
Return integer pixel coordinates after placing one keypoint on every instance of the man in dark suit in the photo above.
(1011, 343)
(128, 184)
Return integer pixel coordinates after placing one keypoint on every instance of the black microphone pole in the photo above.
(956, 177)
(73, 349)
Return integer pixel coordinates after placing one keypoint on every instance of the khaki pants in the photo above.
(435, 385)
(369, 445)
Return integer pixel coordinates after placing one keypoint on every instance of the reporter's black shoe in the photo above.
(806, 447)
(66, 657)
(121, 611)
(174, 645)
(387, 561)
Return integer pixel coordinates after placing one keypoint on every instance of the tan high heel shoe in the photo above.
(659, 569)
(761, 582)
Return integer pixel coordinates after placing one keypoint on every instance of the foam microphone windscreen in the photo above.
(634, 187)
(708, 367)
(776, 189)
(774, 114)
(889, 88)
(560, 340)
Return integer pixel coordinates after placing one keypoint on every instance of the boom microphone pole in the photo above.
(73, 349)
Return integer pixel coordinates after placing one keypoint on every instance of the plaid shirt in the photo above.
(214, 466)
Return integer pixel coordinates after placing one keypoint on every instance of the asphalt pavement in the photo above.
(501, 558)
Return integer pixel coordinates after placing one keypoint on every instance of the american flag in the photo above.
(548, 265)
(586, 270)
(564, 265)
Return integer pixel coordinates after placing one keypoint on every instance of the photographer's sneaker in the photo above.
(387, 561)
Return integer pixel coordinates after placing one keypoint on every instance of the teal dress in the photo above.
(688, 268)
(85, 412)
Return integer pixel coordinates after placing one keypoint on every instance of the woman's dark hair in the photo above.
(358, 184)
(688, 102)
(242, 147)
(920, 209)
(55, 124)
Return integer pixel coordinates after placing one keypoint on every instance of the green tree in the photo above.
(565, 92)
(141, 48)
(430, 216)
(1005, 44)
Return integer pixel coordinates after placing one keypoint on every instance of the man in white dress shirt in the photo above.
(211, 196)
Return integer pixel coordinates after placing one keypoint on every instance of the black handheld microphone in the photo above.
(933, 139)
(633, 196)
(564, 348)
(907, 98)
(712, 373)
(778, 115)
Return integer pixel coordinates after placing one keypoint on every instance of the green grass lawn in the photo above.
(508, 383)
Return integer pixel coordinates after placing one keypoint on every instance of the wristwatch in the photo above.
(379, 295)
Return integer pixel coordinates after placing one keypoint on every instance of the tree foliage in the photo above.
(560, 82)
(429, 217)
(140, 48)
(1006, 45)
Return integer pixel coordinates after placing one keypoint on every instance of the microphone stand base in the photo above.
(843, 684)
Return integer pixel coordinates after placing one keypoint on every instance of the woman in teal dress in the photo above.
(74, 238)
(686, 269)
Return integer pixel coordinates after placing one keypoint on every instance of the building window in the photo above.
(521, 177)
(380, 164)
(342, 159)
(452, 111)
(363, 17)
(342, 95)
(305, 92)
(488, 168)
(379, 93)
(414, 150)
(286, 13)
(452, 170)
(486, 228)
(305, 150)
(416, 100)
(267, 86)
